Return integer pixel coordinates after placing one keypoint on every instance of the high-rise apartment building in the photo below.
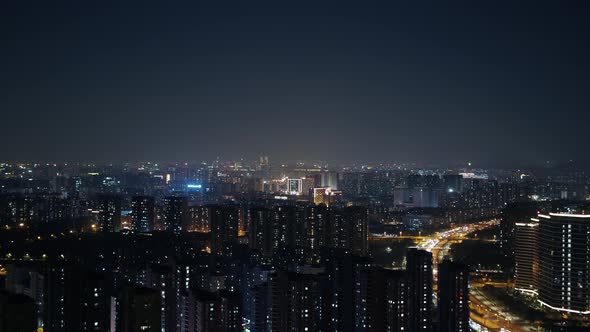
(224, 224)
(564, 262)
(109, 213)
(295, 301)
(142, 214)
(453, 297)
(175, 213)
(419, 271)
(526, 256)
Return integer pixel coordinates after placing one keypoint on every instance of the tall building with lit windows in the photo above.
(526, 256)
(321, 196)
(162, 278)
(564, 262)
(317, 230)
(143, 214)
(175, 213)
(109, 213)
(419, 272)
(294, 186)
(295, 301)
(453, 297)
(349, 230)
(261, 233)
(75, 299)
(388, 292)
(220, 311)
(224, 224)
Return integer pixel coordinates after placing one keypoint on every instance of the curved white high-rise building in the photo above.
(564, 262)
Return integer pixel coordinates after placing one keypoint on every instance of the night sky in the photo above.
(497, 84)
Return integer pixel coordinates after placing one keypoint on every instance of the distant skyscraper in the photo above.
(453, 183)
(224, 223)
(294, 186)
(142, 214)
(453, 297)
(317, 230)
(330, 180)
(261, 235)
(348, 229)
(307, 184)
(321, 196)
(282, 227)
(199, 219)
(263, 163)
(526, 256)
(564, 262)
(175, 213)
(53, 208)
(291, 221)
(419, 271)
(416, 197)
(109, 213)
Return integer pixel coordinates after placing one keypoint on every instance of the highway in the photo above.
(440, 243)
(437, 240)
(493, 316)
(485, 314)
(423, 238)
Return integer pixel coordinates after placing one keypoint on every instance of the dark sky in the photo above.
(497, 83)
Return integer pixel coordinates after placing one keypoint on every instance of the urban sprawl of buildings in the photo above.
(258, 246)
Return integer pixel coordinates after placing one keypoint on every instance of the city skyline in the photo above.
(539, 167)
(254, 247)
(270, 166)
